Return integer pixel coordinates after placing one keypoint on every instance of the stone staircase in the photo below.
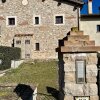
(76, 41)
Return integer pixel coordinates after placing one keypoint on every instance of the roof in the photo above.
(75, 2)
(90, 16)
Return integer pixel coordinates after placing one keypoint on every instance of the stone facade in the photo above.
(47, 33)
(88, 89)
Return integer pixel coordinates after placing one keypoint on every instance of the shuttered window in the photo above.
(80, 71)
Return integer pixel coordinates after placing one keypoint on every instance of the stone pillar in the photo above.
(87, 89)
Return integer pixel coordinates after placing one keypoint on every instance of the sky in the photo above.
(95, 7)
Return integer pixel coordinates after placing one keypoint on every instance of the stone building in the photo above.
(36, 25)
(90, 24)
(78, 67)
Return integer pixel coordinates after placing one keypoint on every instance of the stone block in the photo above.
(68, 98)
(92, 67)
(93, 89)
(91, 79)
(69, 77)
(76, 33)
(71, 88)
(69, 67)
(92, 58)
(82, 89)
(94, 98)
(91, 73)
(69, 58)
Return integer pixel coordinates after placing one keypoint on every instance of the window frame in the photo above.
(27, 42)
(35, 21)
(57, 15)
(83, 60)
(37, 45)
(7, 21)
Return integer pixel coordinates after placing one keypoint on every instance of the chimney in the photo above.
(89, 6)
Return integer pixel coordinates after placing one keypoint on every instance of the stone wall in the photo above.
(71, 88)
(47, 33)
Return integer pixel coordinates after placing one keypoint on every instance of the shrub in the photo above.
(7, 54)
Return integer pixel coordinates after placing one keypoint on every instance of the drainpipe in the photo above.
(78, 18)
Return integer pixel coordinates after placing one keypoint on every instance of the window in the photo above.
(18, 42)
(59, 19)
(11, 21)
(37, 46)
(98, 28)
(80, 71)
(3, 1)
(27, 55)
(27, 41)
(36, 20)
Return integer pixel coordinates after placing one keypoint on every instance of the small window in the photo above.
(3, 1)
(37, 46)
(98, 28)
(27, 56)
(59, 20)
(18, 42)
(36, 20)
(11, 20)
(80, 71)
(27, 41)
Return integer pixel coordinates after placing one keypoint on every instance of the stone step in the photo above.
(78, 38)
(76, 33)
(79, 43)
(80, 49)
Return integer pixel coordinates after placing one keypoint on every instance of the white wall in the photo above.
(16, 63)
(90, 27)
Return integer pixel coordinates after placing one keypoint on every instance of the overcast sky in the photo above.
(95, 4)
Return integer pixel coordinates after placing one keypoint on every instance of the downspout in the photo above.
(78, 18)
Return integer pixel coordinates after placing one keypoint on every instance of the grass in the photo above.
(43, 73)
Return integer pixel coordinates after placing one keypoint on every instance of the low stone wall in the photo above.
(16, 63)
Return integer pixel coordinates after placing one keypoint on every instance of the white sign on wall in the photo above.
(81, 98)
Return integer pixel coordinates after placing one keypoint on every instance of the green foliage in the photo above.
(7, 54)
